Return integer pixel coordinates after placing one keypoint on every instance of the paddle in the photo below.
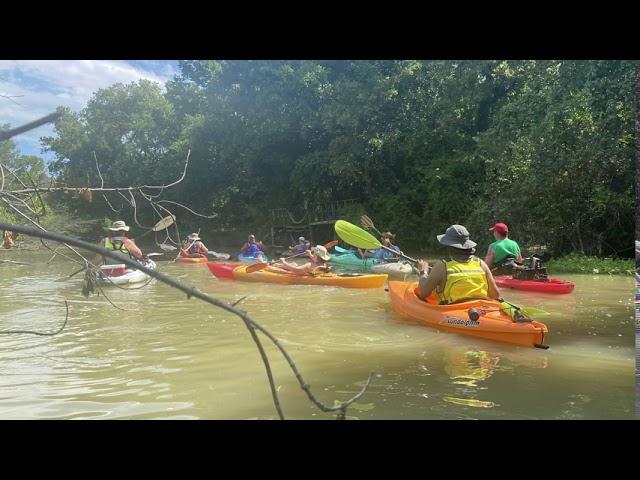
(368, 223)
(261, 266)
(166, 222)
(221, 256)
(354, 235)
(528, 312)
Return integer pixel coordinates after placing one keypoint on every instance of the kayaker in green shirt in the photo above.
(504, 254)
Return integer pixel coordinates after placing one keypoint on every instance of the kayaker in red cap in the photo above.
(504, 254)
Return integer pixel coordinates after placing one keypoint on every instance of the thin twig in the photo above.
(98, 168)
(17, 263)
(188, 209)
(43, 334)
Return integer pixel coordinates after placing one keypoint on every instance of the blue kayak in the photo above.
(251, 258)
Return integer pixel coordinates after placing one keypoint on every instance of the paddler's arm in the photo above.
(494, 291)
(519, 258)
(202, 248)
(427, 282)
(489, 258)
(133, 248)
(292, 267)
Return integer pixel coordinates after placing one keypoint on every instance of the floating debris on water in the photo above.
(469, 402)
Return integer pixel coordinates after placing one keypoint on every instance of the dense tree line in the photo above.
(545, 146)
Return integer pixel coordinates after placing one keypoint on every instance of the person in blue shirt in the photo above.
(385, 255)
(253, 248)
(303, 246)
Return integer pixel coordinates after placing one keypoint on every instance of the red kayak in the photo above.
(551, 285)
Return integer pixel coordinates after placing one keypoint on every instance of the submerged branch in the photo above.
(42, 334)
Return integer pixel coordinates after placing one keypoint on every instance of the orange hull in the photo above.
(192, 260)
(330, 279)
(493, 324)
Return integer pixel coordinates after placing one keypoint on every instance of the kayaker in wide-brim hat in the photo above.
(119, 226)
(119, 242)
(193, 247)
(318, 264)
(463, 277)
(321, 252)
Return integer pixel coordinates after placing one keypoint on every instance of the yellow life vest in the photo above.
(118, 245)
(465, 281)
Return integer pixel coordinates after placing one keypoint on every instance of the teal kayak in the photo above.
(353, 260)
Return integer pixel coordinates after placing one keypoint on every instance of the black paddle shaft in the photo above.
(413, 260)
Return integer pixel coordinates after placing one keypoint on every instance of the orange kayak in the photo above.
(492, 324)
(238, 272)
(192, 260)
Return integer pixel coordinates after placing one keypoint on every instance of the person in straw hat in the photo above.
(117, 240)
(463, 277)
(192, 246)
(319, 263)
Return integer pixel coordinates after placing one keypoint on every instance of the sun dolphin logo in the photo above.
(466, 322)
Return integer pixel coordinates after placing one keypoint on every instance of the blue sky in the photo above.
(38, 87)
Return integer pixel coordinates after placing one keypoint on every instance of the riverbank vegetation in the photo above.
(545, 146)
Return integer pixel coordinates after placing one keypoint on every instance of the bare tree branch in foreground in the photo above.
(252, 326)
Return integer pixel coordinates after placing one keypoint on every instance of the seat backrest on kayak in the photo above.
(535, 274)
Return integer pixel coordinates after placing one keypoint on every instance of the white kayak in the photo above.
(394, 269)
(119, 274)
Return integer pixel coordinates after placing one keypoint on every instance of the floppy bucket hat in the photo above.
(119, 225)
(321, 252)
(456, 236)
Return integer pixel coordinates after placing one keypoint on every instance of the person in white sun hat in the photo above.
(318, 264)
(192, 246)
(117, 240)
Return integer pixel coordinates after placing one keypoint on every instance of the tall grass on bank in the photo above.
(578, 263)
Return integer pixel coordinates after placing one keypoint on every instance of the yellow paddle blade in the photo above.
(356, 236)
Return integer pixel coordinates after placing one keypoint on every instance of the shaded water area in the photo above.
(172, 358)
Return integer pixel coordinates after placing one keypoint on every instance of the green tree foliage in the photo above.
(29, 169)
(545, 146)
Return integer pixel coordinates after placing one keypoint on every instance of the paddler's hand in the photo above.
(422, 266)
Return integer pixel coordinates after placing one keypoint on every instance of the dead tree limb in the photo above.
(29, 126)
(251, 325)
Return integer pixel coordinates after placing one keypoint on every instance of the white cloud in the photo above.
(40, 86)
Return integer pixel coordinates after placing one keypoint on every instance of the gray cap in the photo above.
(456, 236)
